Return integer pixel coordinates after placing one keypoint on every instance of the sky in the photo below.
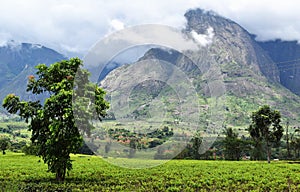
(72, 27)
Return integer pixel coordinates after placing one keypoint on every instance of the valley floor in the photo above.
(90, 173)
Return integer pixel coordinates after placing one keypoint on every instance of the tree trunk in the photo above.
(3, 152)
(60, 175)
(269, 161)
(288, 140)
(268, 153)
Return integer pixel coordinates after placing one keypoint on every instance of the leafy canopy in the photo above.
(4, 144)
(53, 123)
(266, 127)
(266, 124)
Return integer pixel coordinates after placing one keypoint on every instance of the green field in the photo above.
(91, 173)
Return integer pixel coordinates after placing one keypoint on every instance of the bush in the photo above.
(17, 147)
(30, 149)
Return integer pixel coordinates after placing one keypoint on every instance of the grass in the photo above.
(91, 173)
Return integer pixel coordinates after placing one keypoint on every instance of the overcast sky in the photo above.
(76, 25)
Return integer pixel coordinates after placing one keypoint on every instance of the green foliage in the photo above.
(196, 143)
(133, 147)
(90, 173)
(295, 143)
(266, 128)
(17, 146)
(258, 152)
(4, 144)
(234, 147)
(192, 149)
(53, 123)
(16, 131)
(138, 140)
(31, 149)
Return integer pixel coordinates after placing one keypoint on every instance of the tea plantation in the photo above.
(91, 173)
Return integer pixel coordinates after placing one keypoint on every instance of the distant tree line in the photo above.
(264, 141)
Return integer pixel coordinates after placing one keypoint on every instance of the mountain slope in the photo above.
(248, 73)
(231, 42)
(17, 61)
(250, 76)
(16, 57)
(286, 54)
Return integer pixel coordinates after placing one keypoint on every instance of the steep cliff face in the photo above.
(286, 54)
(232, 43)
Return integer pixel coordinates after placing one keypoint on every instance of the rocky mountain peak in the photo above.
(200, 20)
(231, 40)
(17, 61)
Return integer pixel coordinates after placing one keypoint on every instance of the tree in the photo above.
(4, 144)
(196, 144)
(31, 149)
(295, 145)
(133, 145)
(295, 142)
(287, 137)
(258, 150)
(265, 127)
(53, 124)
(234, 147)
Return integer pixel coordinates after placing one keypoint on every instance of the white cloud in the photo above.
(204, 39)
(76, 25)
(116, 24)
(4, 37)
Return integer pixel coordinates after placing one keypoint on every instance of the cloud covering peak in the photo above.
(204, 39)
(73, 26)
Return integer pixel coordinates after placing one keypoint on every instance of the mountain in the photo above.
(17, 61)
(250, 76)
(173, 57)
(252, 72)
(286, 54)
(232, 40)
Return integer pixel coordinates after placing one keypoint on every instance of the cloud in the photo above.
(116, 24)
(204, 39)
(4, 37)
(76, 25)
